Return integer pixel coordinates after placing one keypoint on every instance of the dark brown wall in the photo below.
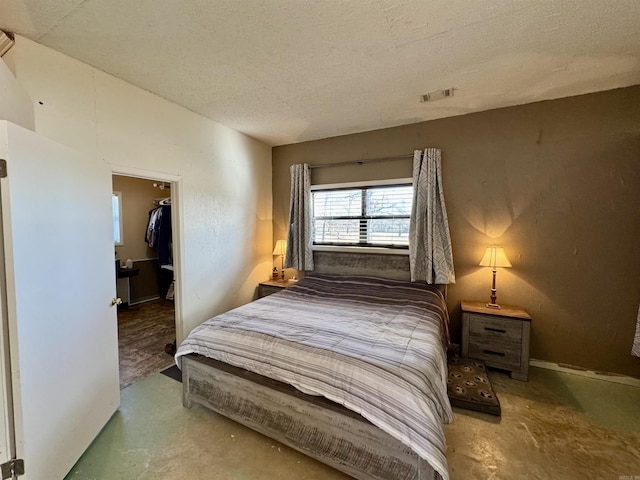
(557, 183)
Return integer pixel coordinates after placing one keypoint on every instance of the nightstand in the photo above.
(272, 286)
(499, 337)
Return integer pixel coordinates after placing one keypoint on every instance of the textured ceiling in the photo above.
(289, 71)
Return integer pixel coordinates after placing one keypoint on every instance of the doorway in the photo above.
(144, 275)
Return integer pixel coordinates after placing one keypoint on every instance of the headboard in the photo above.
(395, 267)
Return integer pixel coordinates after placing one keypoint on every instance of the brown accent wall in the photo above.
(137, 200)
(557, 183)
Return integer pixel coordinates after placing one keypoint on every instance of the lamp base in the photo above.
(493, 305)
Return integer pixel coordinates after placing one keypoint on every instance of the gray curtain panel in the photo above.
(299, 254)
(430, 254)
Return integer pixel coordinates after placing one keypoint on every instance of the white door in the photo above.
(59, 259)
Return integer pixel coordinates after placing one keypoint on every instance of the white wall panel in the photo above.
(225, 176)
(15, 104)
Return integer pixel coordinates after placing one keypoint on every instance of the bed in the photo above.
(348, 369)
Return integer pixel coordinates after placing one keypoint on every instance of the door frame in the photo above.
(7, 427)
(177, 231)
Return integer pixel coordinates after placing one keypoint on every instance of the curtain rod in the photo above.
(360, 162)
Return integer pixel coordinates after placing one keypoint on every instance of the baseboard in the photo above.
(143, 300)
(607, 377)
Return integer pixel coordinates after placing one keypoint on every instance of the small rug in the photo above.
(173, 372)
(468, 386)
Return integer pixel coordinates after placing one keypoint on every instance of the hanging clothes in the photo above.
(158, 233)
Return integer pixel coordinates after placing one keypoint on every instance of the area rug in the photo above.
(468, 386)
(173, 372)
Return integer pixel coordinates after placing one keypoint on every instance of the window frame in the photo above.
(361, 247)
(120, 226)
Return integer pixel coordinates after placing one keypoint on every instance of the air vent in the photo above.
(6, 42)
(437, 95)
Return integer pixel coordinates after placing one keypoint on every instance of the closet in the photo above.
(144, 257)
(159, 237)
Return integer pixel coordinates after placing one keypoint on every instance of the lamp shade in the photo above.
(280, 248)
(495, 257)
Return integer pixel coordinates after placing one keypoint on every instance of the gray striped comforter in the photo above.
(375, 346)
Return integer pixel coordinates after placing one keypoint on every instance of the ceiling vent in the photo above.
(6, 42)
(437, 95)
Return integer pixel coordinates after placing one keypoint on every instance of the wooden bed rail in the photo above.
(312, 425)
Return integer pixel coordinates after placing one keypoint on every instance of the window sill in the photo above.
(350, 249)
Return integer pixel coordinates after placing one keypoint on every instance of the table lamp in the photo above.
(494, 257)
(281, 249)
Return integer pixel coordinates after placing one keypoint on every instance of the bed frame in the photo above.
(310, 424)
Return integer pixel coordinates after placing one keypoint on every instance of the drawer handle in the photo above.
(491, 352)
(499, 330)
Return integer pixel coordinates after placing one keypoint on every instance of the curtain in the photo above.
(430, 255)
(299, 254)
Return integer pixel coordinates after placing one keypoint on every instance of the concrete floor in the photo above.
(556, 426)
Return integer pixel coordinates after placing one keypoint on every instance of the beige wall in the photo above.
(138, 195)
(224, 177)
(556, 183)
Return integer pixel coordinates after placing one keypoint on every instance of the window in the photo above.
(363, 215)
(116, 203)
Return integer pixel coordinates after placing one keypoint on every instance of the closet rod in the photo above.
(366, 160)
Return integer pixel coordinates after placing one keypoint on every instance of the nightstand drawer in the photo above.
(272, 286)
(268, 290)
(495, 329)
(496, 354)
(500, 337)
